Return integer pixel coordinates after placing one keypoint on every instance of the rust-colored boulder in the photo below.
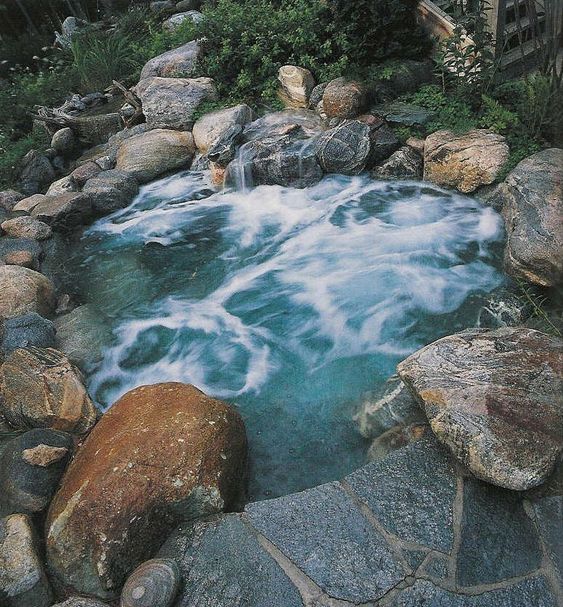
(162, 454)
(344, 99)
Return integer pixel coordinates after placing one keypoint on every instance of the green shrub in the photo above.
(12, 151)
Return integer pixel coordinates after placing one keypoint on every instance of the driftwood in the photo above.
(134, 101)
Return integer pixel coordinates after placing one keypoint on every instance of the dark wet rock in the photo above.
(81, 335)
(405, 114)
(548, 511)
(224, 149)
(31, 467)
(188, 5)
(22, 579)
(316, 96)
(353, 562)
(534, 591)
(26, 330)
(23, 290)
(405, 163)
(148, 155)
(155, 583)
(384, 141)
(64, 211)
(532, 199)
(498, 539)
(345, 148)
(223, 564)
(297, 84)
(178, 62)
(396, 438)
(495, 398)
(161, 455)
(111, 190)
(465, 162)
(42, 389)
(503, 308)
(211, 127)
(344, 98)
(286, 160)
(416, 487)
(281, 123)
(170, 103)
(27, 227)
(436, 566)
(36, 173)
(9, 198)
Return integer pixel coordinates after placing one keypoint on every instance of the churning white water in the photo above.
(288, 303)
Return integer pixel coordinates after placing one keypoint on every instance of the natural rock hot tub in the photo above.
(291, 304)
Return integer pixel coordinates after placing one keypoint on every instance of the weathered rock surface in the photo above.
(77, 601)
(465, 162)
(213, 125)
(397, 437)
(31, 467)
(36, 173)
(154, 583)
(27, 227)
(22, 579)
(406, 114)
(20, 252)
(297, 84)
(178, 19)
(495, 398)
(42, 389)
(162, 454)
(179, 62)
(532, 206)
(148, 155)
(9, 199)
(64, 211)
(64, 142)
(23, 290)
(344, 99)
(405, 163)
(26, 205)
(26, 330)
(382, 137)
(170, 103)
(345, 148)
(85, 171)
(111, 190)
(224, 149)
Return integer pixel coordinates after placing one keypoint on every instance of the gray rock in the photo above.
(548, 512)
(396, 438)
(162, 6)
(26, 205)
(345, 148)
(405, 114)
(23, 290)
(64, 185)
(405, 163)
(97, 128)
(27, 227)
(316, 96)
(85, 171)
(351, 562)
(503, 308)
(27, 330)
(223, 564)
(20, 252)
(436, 566)
(31, 467)
(495, 398)
(188, 5)
(110, 191)
(148, 155)
(172, 102)
(64, 142)
(64, 212)
(384, 143)
(532, 198)
(416, 487)
(177, 63)
(498, 539)
(77, 601)
(9, 198)
(297, 84)
(81, 335)
(223, 150)
(36, 173)
(22, 579)
(210, 127)
(178, 19)
(534, 591)
(281, 123)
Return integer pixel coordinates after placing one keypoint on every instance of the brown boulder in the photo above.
(42, 389)
(495, 398)
(162, 454)
(23, 290)
(344, 99)
(465, 162)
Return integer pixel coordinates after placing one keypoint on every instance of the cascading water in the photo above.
(288, 303)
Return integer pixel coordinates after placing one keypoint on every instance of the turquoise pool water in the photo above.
(290, 304)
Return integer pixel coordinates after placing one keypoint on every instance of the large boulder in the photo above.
(211, 126)
(297, 84)
(344, 149)
(179, 62)
(27, 227)
(26, 330)
(148, 155)
(495, 398)
(23, 582)
(31, 467)
(171, 103)
(111, 190)
(280, 123)
(23, 290)
(64, 211)
(41, 389)
(405, 163)
(532, 206)
(27, 204)
(465, 162)
(344, 98)
(162, 454)
(36, 173)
